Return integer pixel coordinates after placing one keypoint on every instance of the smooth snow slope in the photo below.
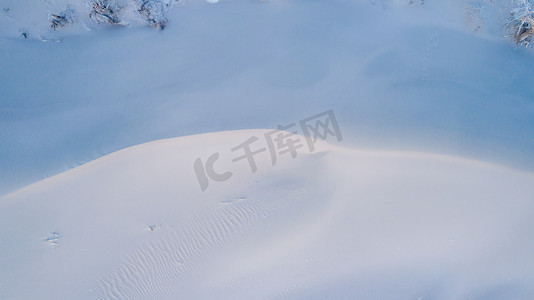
(337, 223)
(342, 222)
(398, 76)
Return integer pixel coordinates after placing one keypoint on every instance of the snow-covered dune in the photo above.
(119, 179)
(335, 223)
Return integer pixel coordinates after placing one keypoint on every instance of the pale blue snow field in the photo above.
(434, 90)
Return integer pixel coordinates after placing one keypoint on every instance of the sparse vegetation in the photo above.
(60, 20)
(521, 22)
(153, 12)
(105, 11)
(109, 11)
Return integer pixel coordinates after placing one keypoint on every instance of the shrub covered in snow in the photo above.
(521, 22)
(105, 11)
(61, 19)
(114, 11)
(153, 12)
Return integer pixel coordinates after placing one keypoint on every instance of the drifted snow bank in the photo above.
(336, 223)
